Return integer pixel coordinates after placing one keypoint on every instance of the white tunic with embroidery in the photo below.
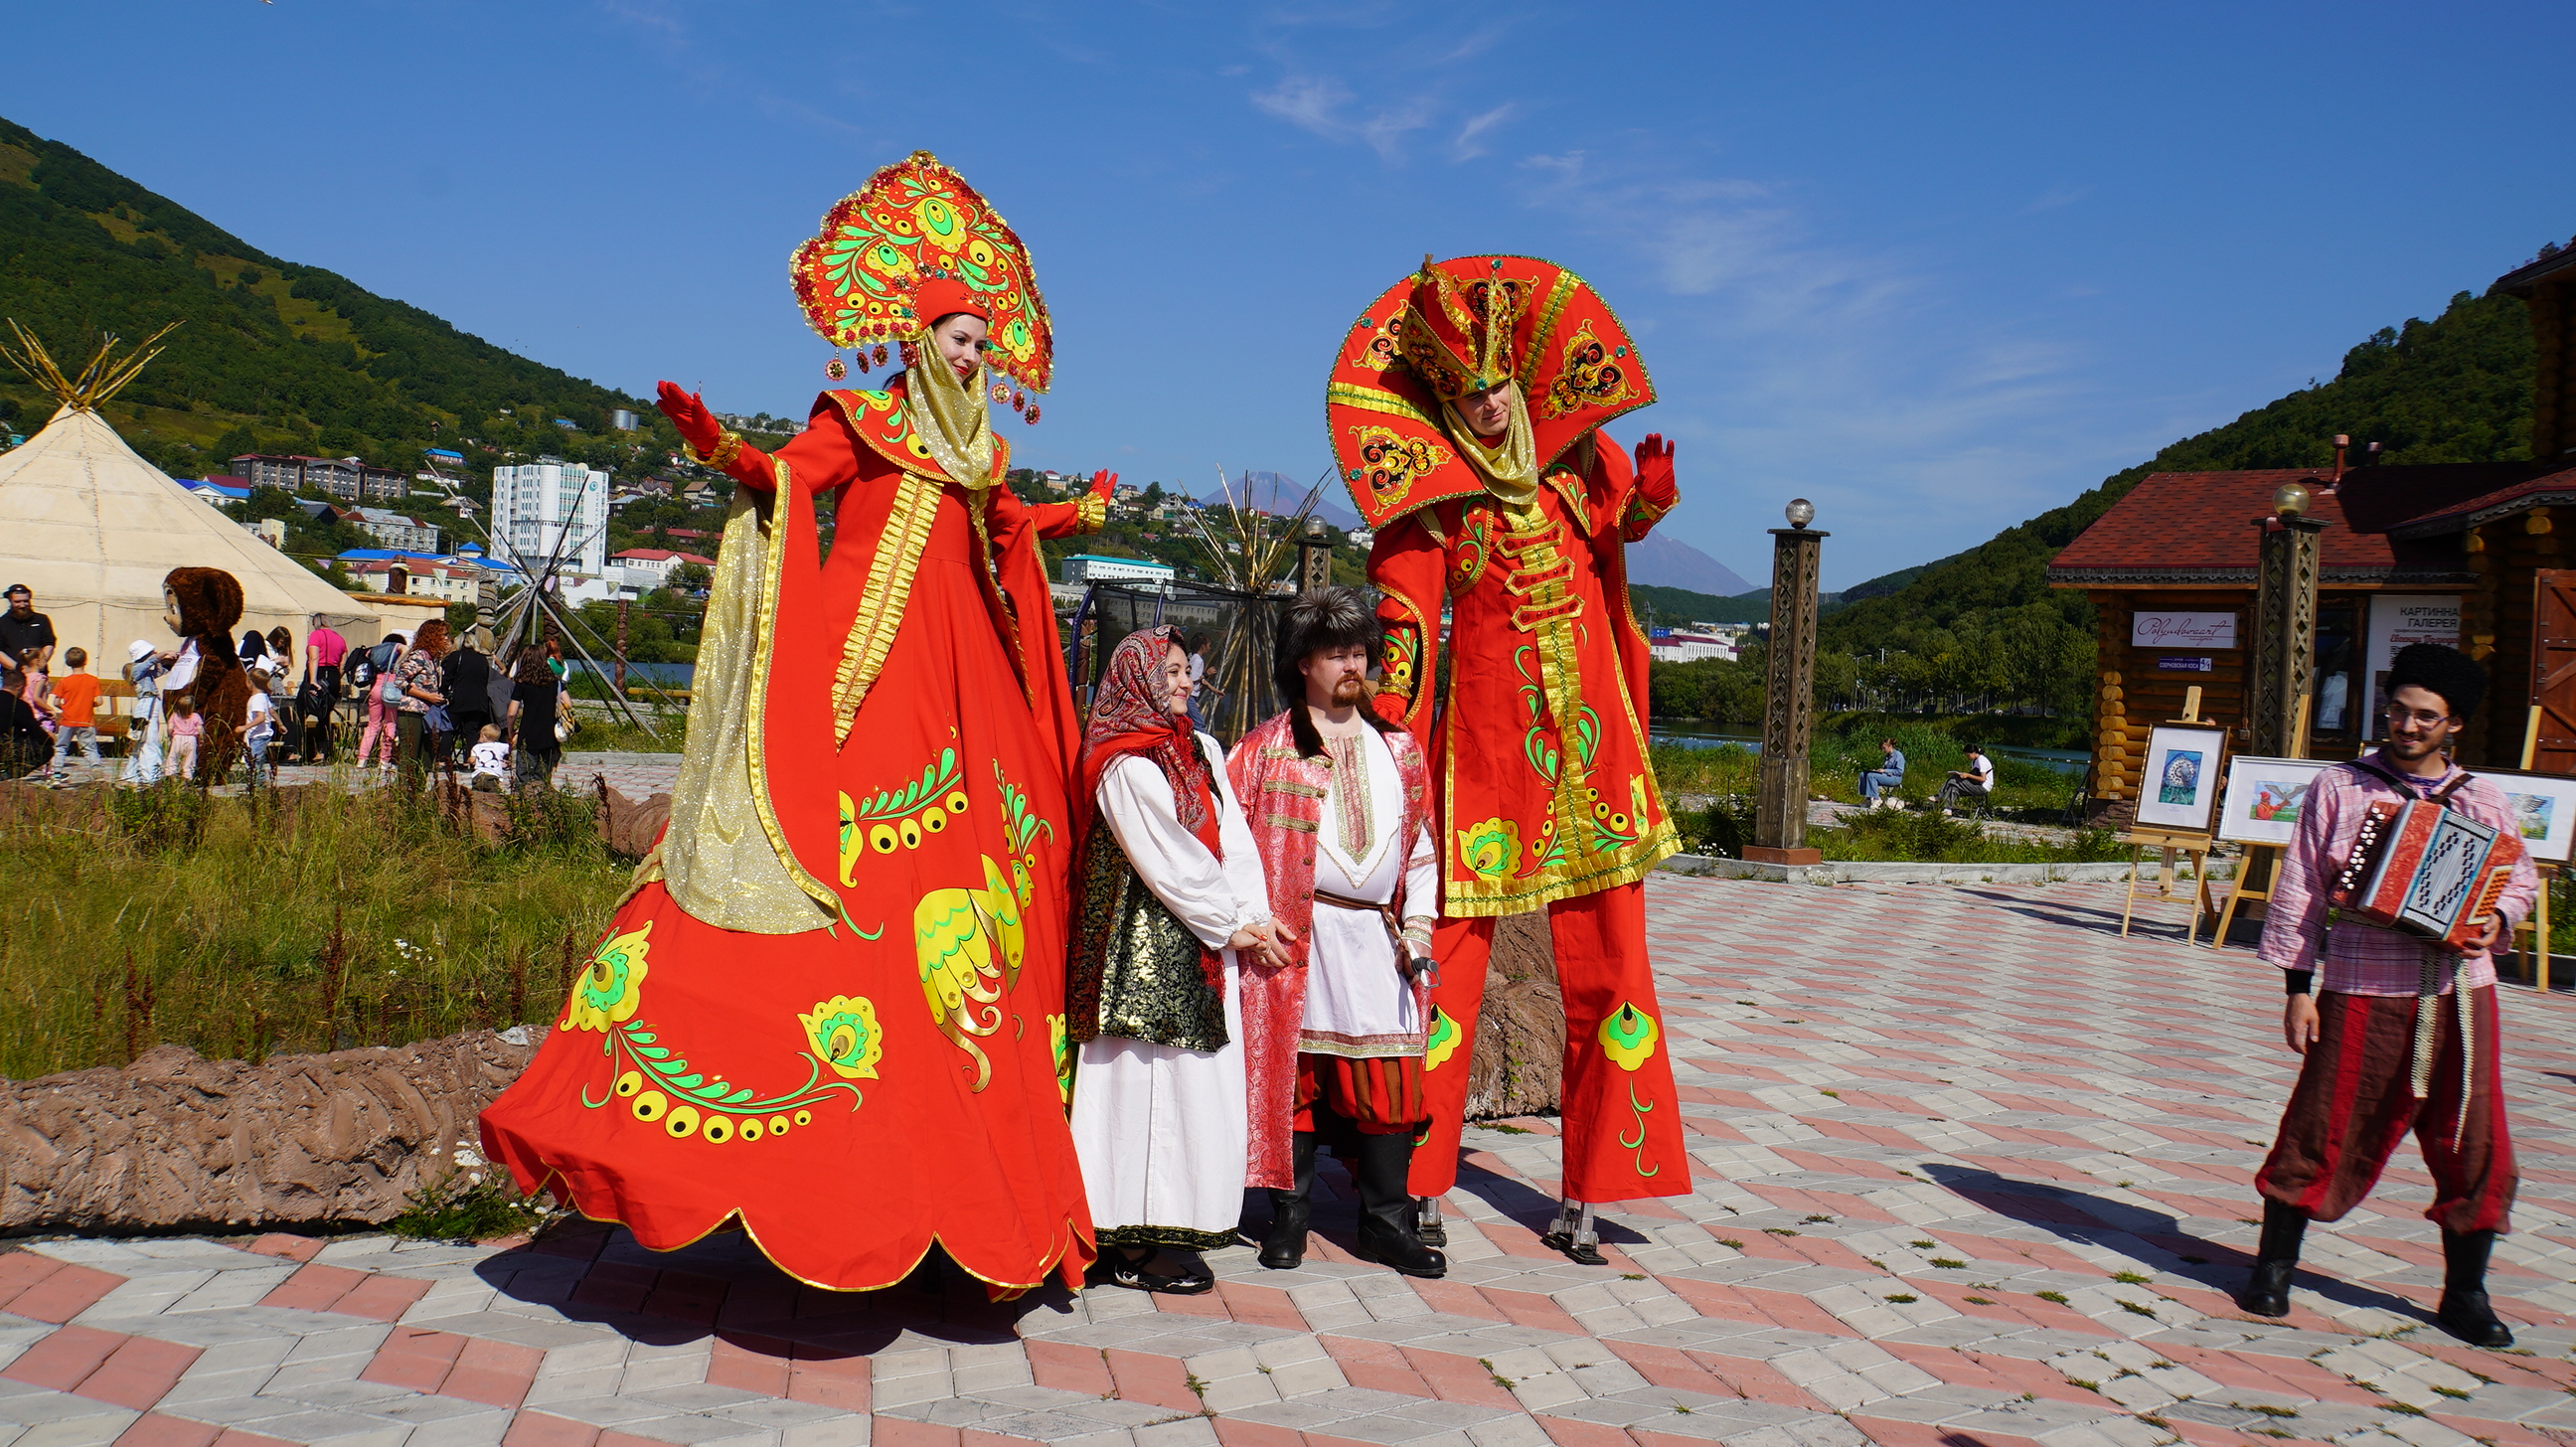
(1358, 1002)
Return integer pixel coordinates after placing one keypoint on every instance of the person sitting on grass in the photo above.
(1971, 785)
(1877, 785)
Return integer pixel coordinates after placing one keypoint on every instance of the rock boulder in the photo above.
(178, 1141)
(1519, 1064)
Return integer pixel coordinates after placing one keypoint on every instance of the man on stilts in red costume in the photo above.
(1466, 408)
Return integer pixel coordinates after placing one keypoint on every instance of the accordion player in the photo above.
(2427, 870)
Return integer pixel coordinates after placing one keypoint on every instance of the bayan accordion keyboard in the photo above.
(2425, 870)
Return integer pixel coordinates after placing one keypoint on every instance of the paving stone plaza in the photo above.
(1970, 1169)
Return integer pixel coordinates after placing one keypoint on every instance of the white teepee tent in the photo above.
(92, 528)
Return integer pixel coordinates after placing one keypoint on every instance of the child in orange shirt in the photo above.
(74, 704)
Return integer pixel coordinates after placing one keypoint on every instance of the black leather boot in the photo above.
(2275, 1261)
(1387, 1209)
(2465, 1312)
(1284, 1249)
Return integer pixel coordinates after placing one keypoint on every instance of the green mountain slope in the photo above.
(1984, 624)
(274, 356)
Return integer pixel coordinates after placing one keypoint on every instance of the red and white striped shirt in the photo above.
(2363, 959)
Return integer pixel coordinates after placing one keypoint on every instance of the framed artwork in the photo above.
(2265, 798)
(2179, 789)
(2544, 810)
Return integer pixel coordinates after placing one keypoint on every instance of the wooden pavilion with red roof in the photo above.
(2470, 553)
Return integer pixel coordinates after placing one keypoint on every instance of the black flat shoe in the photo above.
(1575, 1251)
(2470, 1317)
(2267, 1291)
(1130, 1274)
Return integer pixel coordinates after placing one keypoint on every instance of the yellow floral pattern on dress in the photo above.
(1628, 1036)
(1441, 1040)
(1060, 1043)
(609, 992)
(1492, 848)
(969, 944)
(845, 1034)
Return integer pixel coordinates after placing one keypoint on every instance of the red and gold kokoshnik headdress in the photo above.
(1460, 326)
(912, 245)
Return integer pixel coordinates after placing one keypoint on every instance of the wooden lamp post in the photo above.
(1789, 694)
(1314, 558)
(2285, 625)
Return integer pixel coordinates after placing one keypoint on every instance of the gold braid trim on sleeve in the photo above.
(881, 602)
(728, 447)
(1091, 513)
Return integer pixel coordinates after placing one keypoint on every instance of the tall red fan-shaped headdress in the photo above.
(1455, 327)
(915, 236)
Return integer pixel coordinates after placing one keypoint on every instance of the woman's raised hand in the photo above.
(1103, 483)
(698, 426)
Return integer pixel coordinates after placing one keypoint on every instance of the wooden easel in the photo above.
(2193, 846)
(2268, 856)
(2535, 956)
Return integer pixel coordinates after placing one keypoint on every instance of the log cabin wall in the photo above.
(2135, 694)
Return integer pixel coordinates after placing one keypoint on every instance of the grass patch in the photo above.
(1778, 1231)
(1949, 1263)
(2130, 1278)
(1903, 1299)
(1730, 1243)
(1923, 1245)
(1978, 1300)
(2056, 1296)
(307, 919)
(469, 1203)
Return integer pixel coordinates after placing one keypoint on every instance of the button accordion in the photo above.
(2425, 870)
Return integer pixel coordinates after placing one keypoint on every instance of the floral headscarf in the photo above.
(1131, 713)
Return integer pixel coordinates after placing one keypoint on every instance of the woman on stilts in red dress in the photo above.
(833, 1007)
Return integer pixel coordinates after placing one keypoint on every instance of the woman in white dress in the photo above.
(1172, 900)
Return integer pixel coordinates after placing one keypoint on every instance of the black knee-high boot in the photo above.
(2465, 1312)
(1284, 1249)
(2275, 1261)
(1387, 1209)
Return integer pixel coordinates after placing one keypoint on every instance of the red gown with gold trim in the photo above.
(895, 1080)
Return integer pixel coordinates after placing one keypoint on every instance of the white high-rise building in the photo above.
(531, 504)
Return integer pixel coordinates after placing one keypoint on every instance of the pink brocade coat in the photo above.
(1283, 796)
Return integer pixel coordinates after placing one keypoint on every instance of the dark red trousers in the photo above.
(2355, 1101)
(1381, 1095)
(1622, 1121)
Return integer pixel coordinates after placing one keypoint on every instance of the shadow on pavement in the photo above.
(2141, 1232)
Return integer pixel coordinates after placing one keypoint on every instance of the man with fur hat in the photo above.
(2394, 1033)
(1338, 801)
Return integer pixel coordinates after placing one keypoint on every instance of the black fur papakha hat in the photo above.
(2458, 678)
(1328, 618)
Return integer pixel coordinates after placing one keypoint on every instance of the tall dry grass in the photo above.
(312, 919)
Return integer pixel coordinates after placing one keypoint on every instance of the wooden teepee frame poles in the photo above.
(104, 376)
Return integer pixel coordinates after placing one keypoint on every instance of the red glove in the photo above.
(1655, 471)
(1103, 483)
(698, 426)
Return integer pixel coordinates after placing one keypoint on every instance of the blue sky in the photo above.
(1936, 267)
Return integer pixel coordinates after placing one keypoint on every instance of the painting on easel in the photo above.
(2181, 778)
(2544, 809)
(2265, 798)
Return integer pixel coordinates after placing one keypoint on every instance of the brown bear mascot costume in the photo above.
(205, 606)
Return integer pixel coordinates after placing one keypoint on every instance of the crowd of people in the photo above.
(423, 702)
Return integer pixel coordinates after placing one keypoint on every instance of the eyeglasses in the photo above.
(2398, 714)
